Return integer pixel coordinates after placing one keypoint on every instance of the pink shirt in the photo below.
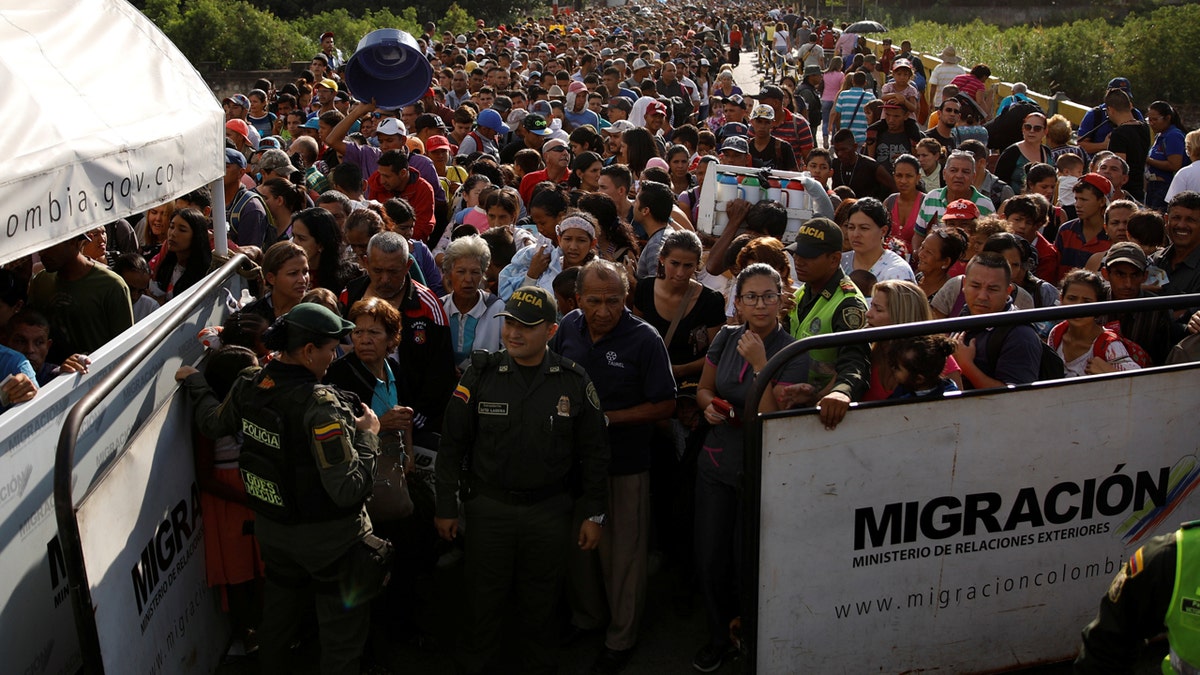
(833, 85)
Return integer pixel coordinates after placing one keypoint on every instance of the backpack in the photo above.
(1006, 129)
(828, 39)
(1051, 366)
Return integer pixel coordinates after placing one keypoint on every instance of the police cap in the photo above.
(531, 305)
(317, 319)
(816, 238)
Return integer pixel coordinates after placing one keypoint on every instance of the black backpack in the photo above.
(1006, 129)
(1050, 368)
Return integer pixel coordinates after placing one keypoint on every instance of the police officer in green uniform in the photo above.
(1159, 588)
(827, 302)
(523, 431)
(308, 464)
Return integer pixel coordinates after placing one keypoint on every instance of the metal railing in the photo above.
(64, 463)
(753, 430)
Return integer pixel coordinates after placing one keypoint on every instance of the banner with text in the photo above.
(35, 608)
(968, 534)
(143, 545)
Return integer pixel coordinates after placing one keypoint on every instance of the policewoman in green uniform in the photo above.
(308, 464)
(522, 433)
(1159, 588)
(827, 302)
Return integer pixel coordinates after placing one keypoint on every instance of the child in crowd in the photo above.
(918, 363)
(1146, 229)
(820, 166)
(1085, 345)
(1070, 170)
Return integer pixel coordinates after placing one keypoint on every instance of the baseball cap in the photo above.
(530, 305)
(736, 144)
(240, 99)
(240, 128)
(435, 143)
(1126, 252)
(541, 108)
(763, 111)
(311, 123)
(390, 126)
(961, 209)
(1121, 83)
(427, 121)
(1099, 182)
(638, 64)
(276, 161)
(490, 119)
(770, 91)
(736, 99)
(621, 103)
(732, 129)
(502, 103)
(536, 124)
(619, 127)
(815, 238)
(556, 91)
(902, 63)
(326, 34)
(553, 143)
(327, 83)
(234, 157)
(318, 319)
(656, 108)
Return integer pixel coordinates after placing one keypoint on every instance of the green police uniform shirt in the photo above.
(838, 306)
(1136, 606)
(522, 430)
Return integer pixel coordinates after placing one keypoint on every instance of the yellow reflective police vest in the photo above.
(819, 321)
(1183, 614)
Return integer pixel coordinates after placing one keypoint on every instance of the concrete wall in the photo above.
(229, 82)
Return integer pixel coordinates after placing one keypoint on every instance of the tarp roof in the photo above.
(103, 118)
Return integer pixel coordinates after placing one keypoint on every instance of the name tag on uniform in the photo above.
(486, 408)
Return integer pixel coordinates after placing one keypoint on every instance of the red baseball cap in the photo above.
(656, 108)
(438, 142)
(961, 209)
(1099, 182)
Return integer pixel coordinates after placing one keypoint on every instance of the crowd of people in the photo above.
(548, 188)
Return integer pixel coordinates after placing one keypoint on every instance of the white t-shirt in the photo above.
(889, 266)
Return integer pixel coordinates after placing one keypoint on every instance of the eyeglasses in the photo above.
(752, 299)
(1032, 127)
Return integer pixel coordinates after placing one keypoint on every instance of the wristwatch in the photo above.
(600, 520)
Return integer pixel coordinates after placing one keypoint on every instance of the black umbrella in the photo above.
(861, 27)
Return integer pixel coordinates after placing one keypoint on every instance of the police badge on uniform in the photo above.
(814, 326)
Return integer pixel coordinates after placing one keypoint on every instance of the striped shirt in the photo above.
(795, 131)
(851, 109)
(1073, 249)
(935, 205)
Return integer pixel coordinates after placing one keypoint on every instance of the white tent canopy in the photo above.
(103, 118)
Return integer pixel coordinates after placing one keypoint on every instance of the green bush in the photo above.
(349, 29)
(235, 35)
(1154, 50)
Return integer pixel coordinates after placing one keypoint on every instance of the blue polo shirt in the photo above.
(629, 366)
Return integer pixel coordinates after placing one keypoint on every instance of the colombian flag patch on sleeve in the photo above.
(328, 431)
(1135, 563)
(462, 393)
